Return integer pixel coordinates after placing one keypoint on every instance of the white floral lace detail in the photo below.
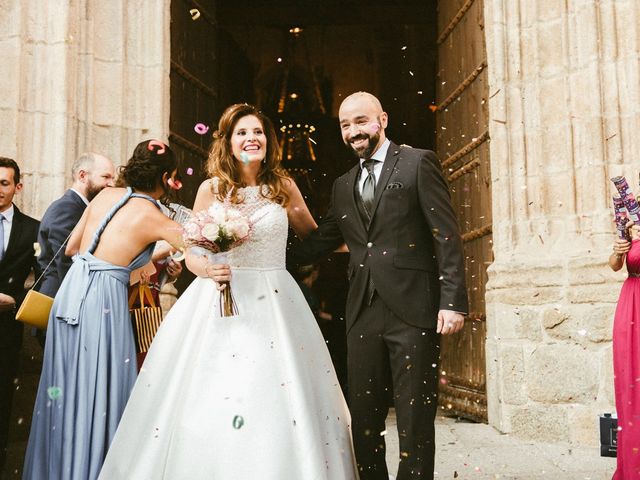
(266, 247)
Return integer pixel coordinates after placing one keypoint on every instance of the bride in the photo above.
(251, 396)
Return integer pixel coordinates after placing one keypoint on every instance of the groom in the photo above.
(407, 286)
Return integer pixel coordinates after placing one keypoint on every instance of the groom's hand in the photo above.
(449, 322)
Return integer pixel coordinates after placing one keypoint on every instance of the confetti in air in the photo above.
(201, 128)
(244, 157)
(54, 392)
(36, 249)
(195, 13)
(189, 171)
(238, 422)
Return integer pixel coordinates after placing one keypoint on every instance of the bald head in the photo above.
(362, 123)
(91, 173)
(362, 98)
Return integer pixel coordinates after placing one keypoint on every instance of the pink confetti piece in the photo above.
(201, 128)
(189, 171)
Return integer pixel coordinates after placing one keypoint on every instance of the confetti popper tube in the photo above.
(630, 202)
(621, 217)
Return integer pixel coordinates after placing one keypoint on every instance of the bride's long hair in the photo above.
(223, 165)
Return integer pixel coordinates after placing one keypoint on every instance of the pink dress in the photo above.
(626, 369)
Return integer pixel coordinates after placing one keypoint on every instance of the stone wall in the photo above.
(565, 115)
(79, 75)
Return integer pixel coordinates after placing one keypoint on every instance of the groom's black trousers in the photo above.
(386, 353)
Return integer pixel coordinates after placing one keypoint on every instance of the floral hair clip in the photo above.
(157, 143)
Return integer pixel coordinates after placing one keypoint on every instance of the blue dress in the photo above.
(89, 366)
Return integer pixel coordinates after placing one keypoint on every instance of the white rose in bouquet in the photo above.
(238, 228)
(210, 231)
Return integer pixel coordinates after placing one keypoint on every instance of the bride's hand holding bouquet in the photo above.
(214, 232)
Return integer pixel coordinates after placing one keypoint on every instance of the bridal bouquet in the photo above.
(217, 230)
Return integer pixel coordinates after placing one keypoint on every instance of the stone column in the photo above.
(565, 115)
(79, 75)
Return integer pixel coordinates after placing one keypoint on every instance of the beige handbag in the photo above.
(36, 306)
(145, 320)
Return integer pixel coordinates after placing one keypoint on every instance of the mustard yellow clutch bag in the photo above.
(36, 306)
(35, 309)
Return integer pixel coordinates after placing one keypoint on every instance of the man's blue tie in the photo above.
(1, 236)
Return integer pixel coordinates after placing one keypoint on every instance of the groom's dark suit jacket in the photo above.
(411, 247)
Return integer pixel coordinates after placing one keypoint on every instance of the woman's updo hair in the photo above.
(151, 159)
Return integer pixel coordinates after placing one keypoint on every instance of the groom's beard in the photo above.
(367, 150)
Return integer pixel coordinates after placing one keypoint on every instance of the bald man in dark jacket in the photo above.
(407, 285)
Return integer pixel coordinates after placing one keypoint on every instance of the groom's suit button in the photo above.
(369, 245)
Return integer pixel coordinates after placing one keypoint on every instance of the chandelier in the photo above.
(299, 104)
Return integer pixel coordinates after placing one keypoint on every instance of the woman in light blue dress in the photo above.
(90, 359)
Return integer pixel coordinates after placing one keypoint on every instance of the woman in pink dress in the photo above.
(626, 357)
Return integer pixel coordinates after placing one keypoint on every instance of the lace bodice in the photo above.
(266, 247)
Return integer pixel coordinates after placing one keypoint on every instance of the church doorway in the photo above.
(296, 60)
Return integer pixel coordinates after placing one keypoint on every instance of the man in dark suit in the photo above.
(18, 234)
(407, 285)
(91, 173)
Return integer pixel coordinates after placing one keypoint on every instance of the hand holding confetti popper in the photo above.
(628, 198)
(621, 218)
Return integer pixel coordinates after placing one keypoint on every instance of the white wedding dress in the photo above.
(247, 397)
